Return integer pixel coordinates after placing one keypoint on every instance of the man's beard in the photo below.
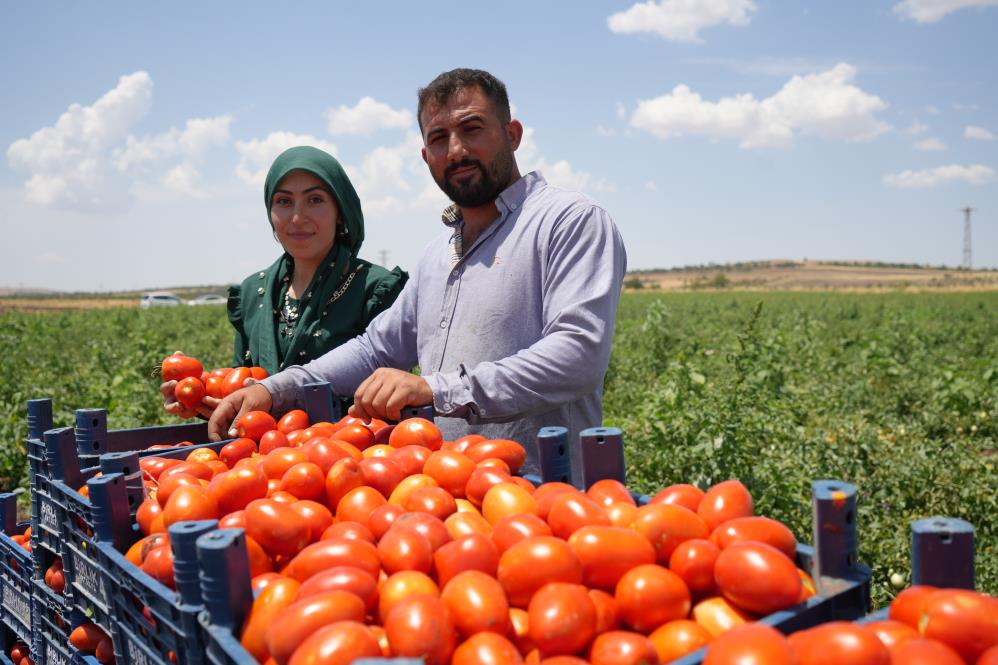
(492, 181)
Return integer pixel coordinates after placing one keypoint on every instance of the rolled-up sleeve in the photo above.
(389, 341)
(584, 269)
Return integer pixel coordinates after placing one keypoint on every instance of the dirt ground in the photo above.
(812, 275)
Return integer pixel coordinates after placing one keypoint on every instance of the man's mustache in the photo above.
(462, 164)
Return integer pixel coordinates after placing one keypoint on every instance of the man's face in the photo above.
(468, 149)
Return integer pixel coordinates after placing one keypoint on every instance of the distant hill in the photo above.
(813, 275)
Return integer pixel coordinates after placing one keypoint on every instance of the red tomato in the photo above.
(922, 651)
(562, 618)
(506, 499)
(189, 392)
(649, 596)
(234, 380)
(607, 552)
(305, 481)
(757, 577)
(234, 520)
(412, 459)
(762, 529)
(381, 473)
(254, 424)
(431, 500)
(462, 444)
(323, 452)
(450, 469)
(512, 529)
(519, 631)
(570, 512)
(477, 603)
(304, 617)
(607, 492)
(342, 578)
(154, 466)
(839, 642)
(277, 462)
(318, 517)
(510, 452)
(687, 496)
(607, 612)
(533, 562)
(259, 561)
(189, 503)
(405, 549)
(258, 373)
(292, 420)
(752, 644)
(356, 435)
(621, 647)
(547, 493)
(426, 524)
(358, 504)
(86, 636)
(718, 616)
(345, 475)
(196, 469)
(178, 366)
(486, 649)
(892, 632)
(334, 552)
(416, 431)
(675, 639)
(146, 513)
(272, 440)
(339, 643)
(421, 626)
(214, 386)
(236, 450)
(350, 531)
(473, 552)
(907, 607)
(989, 657)
(277, 528)
(382, 518)
(694, 562)
(233, 490)
(158, 564)
(666, 526)
(967, 621)
(725, 501)
(261, 582)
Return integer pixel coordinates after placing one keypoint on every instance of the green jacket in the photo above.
(253, 307)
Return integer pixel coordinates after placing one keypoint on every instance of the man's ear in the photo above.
(514, 132)
(423, 153)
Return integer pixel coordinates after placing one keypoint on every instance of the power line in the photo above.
(967, 249)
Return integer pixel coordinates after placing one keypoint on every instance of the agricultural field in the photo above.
(896, 393)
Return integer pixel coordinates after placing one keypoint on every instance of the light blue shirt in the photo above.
(516, 336)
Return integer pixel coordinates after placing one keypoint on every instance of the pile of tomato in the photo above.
(19, 654)
(925, 626)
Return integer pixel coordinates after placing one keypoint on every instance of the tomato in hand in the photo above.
(189, 392)
(254, 424)
(178, 366)
(235, 379)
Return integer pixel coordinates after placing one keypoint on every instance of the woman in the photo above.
(319, 293)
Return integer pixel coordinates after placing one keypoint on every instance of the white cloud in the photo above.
(977, 133)
(183, 179)
(65, 162)
(621, 111)
(256, 155)
(782, 67)
(651, 186)
(197, 136)
(50, 258)
(931, 11)
(824, 104)
(974, 174)
(957, 106)
(916, 127)
(605, 131)
(368, 116)
(930, 144)
(932, 110)
(560, 173)
(680, 20)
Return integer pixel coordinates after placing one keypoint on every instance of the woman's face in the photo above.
(304, 216)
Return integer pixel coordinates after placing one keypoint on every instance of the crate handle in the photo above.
(225, 578)
(942, 552)
(39, 417)
(183, 541)
(600, 456)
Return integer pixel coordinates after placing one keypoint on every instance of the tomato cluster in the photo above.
(23, 539)
(19, 654)
(194, 383)
(925, 626)
(367, 540)
(55, 576)
(89, 638)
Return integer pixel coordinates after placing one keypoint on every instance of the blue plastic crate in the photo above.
(16, 570)
(8, 639)
(50, 634)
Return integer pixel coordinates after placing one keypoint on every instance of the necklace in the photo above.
(289, 315)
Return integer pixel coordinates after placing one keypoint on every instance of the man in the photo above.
(509, 314)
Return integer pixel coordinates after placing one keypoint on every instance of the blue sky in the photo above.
(135, 137)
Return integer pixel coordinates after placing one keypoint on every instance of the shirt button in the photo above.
(481, 411)
(261, 291)
(262, 275)
(454, 272)
(443, 323)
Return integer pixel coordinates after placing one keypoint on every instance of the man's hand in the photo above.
(387, 391)
(229, 410)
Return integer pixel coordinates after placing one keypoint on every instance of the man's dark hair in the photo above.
(442, 88)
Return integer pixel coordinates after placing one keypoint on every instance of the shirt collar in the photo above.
(509, 199)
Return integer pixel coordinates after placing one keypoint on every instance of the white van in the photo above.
(159, 299)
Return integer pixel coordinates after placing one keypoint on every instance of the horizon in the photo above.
(713, 132)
